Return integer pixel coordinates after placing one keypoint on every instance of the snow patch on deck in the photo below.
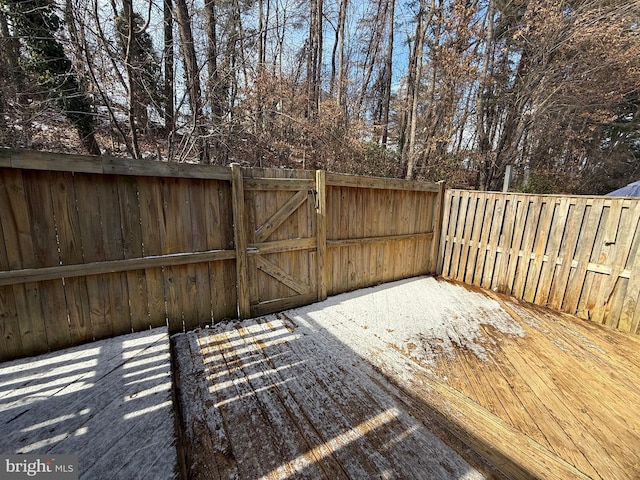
(297, 394)
(423, 317)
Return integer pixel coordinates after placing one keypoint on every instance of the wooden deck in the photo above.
(392, 381)
(108, 402)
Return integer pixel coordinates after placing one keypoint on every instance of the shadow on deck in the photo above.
(415, 379)
(108, 402)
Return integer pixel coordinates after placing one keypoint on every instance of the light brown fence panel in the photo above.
(153, 228)
(23, 326)
(379, 230)
(579, 255)
(70, 247)
(44, 241)
(117, 301)
(281, 232)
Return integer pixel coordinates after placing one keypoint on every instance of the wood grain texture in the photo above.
(118, 310)
(343, 180)
(575, 254)
(240, 240)
(63, 162)
(96, 246)
(16, 251)
(376, 235)
(547, 402)
(45, 248)
(321, 219)
(282, 231)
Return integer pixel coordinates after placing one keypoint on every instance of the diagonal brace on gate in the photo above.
(279, 274)
(267, 228)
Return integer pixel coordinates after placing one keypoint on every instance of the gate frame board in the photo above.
(251, 255)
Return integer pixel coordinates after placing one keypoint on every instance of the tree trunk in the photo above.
(314, 59)
(133, 112)
(192, 74)
(215, 82)
(410, 154)
(386, 102)
(484, 146)
(262, 34)
(12, 73)
(8, 87)
(169, 103)
(337, 74)
(371, 56)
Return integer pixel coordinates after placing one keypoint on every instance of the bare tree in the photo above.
(337, 58)
(314, 58)
(168, 53)
(409, 153)
(192, 75)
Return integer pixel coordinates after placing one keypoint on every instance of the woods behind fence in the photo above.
(579, 255)
(95, 247)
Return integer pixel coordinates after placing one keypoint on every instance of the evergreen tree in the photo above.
(36, 23)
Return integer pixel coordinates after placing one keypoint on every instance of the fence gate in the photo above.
(277, 267)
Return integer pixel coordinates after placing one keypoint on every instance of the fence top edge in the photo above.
(64, 162)
(361, 181)
(457, 191)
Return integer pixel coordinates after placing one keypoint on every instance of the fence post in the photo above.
(436, 255)
(321, 219)
(240, 241)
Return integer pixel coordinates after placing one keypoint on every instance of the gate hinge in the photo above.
(314, 192)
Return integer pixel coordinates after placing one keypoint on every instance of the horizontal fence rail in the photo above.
(93, 247)
(87, 256)
(579, 255)
(375, 235)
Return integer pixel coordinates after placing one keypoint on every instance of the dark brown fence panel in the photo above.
(580, 255)
(86, 256)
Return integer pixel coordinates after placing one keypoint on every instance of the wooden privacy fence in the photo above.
(93, 247)
(579, 255)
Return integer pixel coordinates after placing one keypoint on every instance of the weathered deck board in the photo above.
(109, 402)
(356, 386)
(292, 408)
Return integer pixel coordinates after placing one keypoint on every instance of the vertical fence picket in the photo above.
(17, 253)
(575, 254)
(70, 247)
(240, 241)
(117, 301)
(521, 207)
(153, 228)
(321, 225)
(548, 267)
(567, 251)
(45, 247)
